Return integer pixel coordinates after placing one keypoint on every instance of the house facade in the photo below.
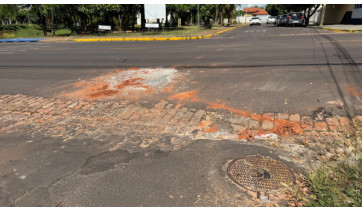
(337, 14)
(252, 12)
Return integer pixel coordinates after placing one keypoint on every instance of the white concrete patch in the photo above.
(266, 136)
(153, 77)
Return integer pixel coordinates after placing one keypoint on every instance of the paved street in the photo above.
(156, 123)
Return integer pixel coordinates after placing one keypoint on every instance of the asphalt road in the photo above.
(252, 68)
(257, 69)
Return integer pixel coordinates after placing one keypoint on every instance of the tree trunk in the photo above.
(133, 21)
(9, 21)
(119, 20)
(222, 20)
(45, 27)
(52, 23)
(143, 20)
(43, 21)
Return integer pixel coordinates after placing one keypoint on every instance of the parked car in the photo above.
(276, 20)
(295, 19)
(255, 21)
(270, 20)
(282, 21)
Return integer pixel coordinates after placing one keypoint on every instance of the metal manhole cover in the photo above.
(258, 173)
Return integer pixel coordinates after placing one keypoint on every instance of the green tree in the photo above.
(41, 12)
(8, 12)
(207, 13)
(273, 9)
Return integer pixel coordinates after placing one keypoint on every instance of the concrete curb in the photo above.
(156, 39)
(342, 30)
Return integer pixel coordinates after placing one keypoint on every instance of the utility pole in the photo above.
(246, 14)
(198, 16)
(322, 16)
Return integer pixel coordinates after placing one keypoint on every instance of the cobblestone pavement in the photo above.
(305, 138)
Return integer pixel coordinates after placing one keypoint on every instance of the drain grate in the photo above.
(258, 173)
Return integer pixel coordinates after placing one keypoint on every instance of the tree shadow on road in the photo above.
(350, 67)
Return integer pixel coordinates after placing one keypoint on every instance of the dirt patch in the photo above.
(131, 83)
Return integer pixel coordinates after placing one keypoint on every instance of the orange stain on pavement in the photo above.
(353, 91)
(281, 126)
(212, 129)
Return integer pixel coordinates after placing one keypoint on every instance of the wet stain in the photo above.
(106, 161)
(321, 114)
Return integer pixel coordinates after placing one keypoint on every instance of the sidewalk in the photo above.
(343, 28)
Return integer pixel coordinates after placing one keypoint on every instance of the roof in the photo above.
(250, 10)
(255, 11)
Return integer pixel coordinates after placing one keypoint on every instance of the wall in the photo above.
(335, 12)
(246, 19)
(315, 19)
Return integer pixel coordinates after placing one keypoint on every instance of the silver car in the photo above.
(270, 20)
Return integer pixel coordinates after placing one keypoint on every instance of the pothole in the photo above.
(259, 173)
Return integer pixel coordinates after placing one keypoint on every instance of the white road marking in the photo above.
(6, 50)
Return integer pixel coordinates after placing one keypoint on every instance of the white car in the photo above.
(270, 20)
(255, 21)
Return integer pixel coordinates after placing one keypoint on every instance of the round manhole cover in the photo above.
(258, 173)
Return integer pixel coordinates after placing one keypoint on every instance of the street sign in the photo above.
(104, 27)
(152, 25)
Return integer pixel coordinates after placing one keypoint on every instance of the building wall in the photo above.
(357, 11)
(335, 12)
(243, 19)
(246, 18)
(315, 19)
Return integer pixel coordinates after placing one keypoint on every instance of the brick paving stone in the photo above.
(333, 128)
(238, 119)
(307, 123)
(184, 120)
(238, 128)
(359, 120)
(145, 114)
(161, 104)
(294, 117)
(168, 106)
(271, 115)
(267, 125)
(162, 114)
(320, 126)
(40, 101)
(128, 112)
(283, 116)
(195, 120)
(134, 117)
(78, 106)
(47, 105)
(86, 107)
(171, 113)
(346, 124)
(73, 105)
(253, 124)
(189, 114)
(178, 115)
(332, 121)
